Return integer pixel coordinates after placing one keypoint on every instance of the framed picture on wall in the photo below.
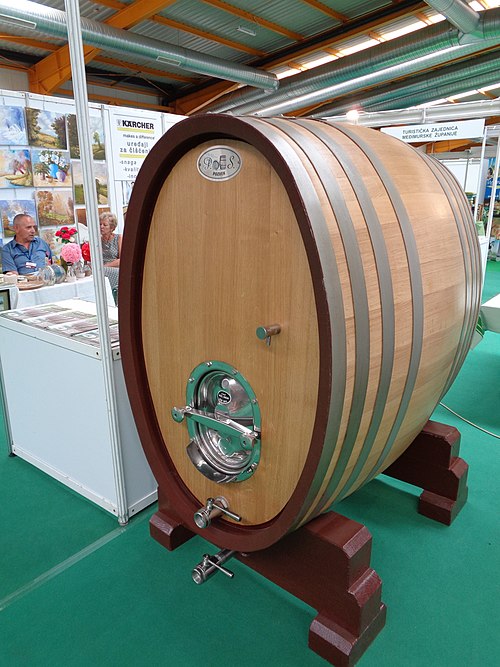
(100, 179)
(55, 208)
(51, 168)
(12, 126)
(46, 128)
(15, 168)
(4, 298)
(96, 135)
(9, 208)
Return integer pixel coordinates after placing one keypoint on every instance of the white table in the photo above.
(73, 444)
(81, 289)
(490, 314)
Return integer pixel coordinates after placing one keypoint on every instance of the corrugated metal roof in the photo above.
(199, 44)
(21, 48)
(354, 8)
(222, 23)
(279, 33)
(88, 9)
(298, 17)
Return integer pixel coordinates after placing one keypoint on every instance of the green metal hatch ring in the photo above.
(224, 422)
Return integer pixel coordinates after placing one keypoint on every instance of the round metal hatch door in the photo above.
(223, 421)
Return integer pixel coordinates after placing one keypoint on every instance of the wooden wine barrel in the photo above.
(359, 249)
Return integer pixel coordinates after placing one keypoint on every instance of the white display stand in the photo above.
(57, 414)
(484, 242)
(490, 314)
(80, 289)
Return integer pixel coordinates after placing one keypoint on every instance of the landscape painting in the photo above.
(15, 168)
(55, 208)
(51, 168)
(46, 128)
(9, 208)
(13, 126)
(101, 182)
(96, 136)
(50, 238)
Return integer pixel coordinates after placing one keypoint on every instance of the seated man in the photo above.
(26, 253)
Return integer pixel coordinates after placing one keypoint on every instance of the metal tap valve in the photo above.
(214, 507)
(265, 332)
(211, 564)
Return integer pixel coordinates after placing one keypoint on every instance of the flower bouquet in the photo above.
(66, 234)
(70, 255)
(86, 268)
(86, 251)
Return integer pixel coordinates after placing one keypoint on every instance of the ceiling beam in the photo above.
(116, 85)
(488, 94)
(35, 43)
(422, 17)
(116, 101)
(51, 72)
(449, 145)
(191, 104)
(135, 70)
(327, 10)
(114, 4)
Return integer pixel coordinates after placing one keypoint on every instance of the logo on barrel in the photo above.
(219, 163)
(223, 397)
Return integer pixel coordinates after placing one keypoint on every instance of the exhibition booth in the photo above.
(56, 324)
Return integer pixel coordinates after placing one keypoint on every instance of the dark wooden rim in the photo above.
(165, 154)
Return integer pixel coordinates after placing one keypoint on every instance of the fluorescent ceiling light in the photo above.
(431, 104)
(435, 18)
(21, 23)
(412, 27)
(320, 61)
(486, 88)
(459, 96)
(246, 31)
(169, 61)
(352, 114)
(286, 73)
(348, 50)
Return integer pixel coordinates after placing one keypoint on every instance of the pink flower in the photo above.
(71, 253)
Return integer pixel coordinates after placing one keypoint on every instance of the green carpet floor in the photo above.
(78, 590)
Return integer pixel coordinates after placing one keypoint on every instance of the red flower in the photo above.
(66, 234)
(86, 251)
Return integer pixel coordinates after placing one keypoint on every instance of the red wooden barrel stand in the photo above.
(326, 563)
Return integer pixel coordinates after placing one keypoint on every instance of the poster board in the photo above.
(41, 169)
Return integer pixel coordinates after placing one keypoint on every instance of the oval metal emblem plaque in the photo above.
(223, 397)
(219, 163)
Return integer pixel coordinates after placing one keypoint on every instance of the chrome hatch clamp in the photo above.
(224, 423)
